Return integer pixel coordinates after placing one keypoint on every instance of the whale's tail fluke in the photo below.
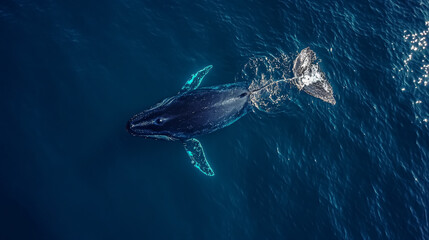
(310, 78)
(268, 94)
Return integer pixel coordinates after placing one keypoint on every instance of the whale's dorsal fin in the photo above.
(196, 154)
(196, 79)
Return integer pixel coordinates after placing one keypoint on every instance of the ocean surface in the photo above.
(73, 72)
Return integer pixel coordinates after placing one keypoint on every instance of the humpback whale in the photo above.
(197, 111)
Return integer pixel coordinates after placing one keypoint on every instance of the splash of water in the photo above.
(272, 81)
(263, 72)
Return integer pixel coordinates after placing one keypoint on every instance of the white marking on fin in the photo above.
(196, 79)
(198, 158)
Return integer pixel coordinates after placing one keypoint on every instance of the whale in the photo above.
(195, 111)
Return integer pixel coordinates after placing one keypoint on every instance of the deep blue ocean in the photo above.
(73, 72)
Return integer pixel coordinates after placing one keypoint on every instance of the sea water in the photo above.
(74, 72)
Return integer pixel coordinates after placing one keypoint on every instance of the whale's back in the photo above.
(205, 110)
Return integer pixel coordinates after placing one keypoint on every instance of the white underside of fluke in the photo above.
(310, 78)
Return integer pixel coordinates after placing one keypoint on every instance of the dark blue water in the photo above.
(73, 73)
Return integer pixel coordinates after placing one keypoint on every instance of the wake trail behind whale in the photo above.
(273, 84)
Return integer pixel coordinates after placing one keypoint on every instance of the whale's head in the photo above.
(152, 123)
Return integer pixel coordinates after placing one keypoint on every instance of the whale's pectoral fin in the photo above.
(196, 154)
(196, 79)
